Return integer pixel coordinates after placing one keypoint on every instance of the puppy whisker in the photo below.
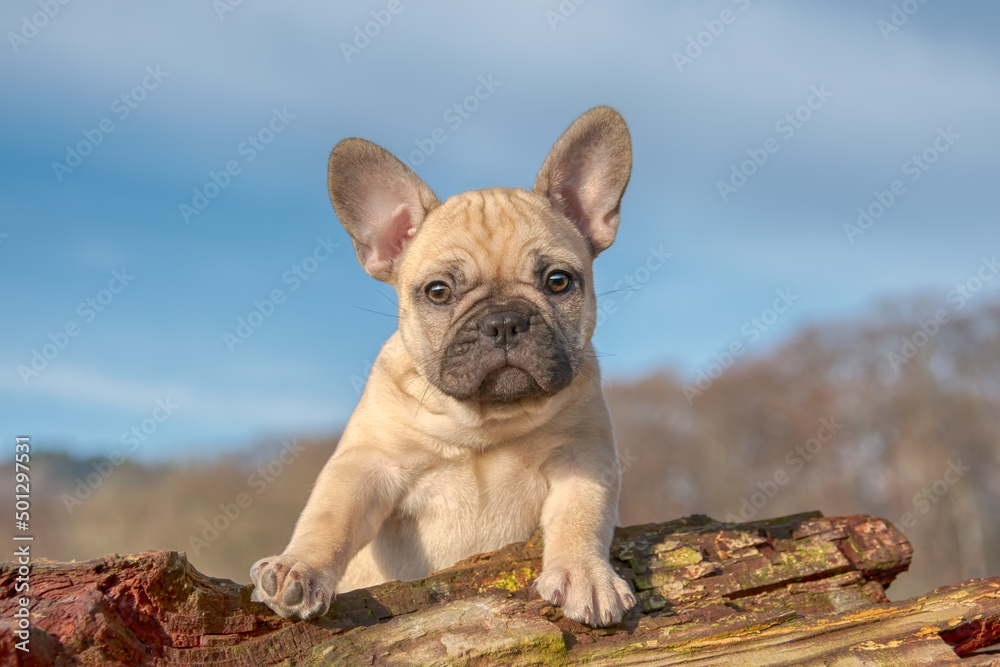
(635, 288)
(369, 310)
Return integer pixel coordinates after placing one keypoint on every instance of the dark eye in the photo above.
(438, 292)
(558, 282)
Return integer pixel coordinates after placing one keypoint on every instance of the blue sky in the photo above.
(162, 96)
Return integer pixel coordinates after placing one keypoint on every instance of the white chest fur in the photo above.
(463, 506)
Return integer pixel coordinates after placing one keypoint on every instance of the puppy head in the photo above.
(495, 288)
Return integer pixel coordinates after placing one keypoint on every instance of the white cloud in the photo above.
(244, 409)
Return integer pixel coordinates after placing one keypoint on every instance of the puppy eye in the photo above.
(558, 282)
(438, 292)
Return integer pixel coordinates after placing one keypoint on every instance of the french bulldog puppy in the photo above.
(483, 417)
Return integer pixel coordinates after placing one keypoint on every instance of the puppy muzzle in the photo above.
(505, 353)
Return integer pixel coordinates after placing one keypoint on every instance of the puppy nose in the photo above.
(503, 329)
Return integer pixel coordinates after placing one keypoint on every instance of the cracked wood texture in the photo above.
(800, 590)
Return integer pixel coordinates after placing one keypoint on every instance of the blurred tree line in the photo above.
(894, 414)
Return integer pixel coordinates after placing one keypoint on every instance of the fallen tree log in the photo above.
(801, 590)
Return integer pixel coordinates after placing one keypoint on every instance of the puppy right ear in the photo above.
(585, 174)
(379, 200)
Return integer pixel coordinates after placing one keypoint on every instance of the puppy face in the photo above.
(496, 297)
(495, 289)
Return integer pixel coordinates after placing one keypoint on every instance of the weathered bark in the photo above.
(800, 590)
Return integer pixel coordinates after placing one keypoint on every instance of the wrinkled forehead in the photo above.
(502, 233)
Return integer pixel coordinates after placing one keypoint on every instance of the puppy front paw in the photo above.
(588, 592)
(291, 588)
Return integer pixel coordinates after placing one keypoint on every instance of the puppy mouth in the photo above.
(507, 384)
(505, 378)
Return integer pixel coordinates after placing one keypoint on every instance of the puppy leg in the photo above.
(354, 494)
(578, 520)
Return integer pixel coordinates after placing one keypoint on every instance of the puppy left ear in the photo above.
(585, 174)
